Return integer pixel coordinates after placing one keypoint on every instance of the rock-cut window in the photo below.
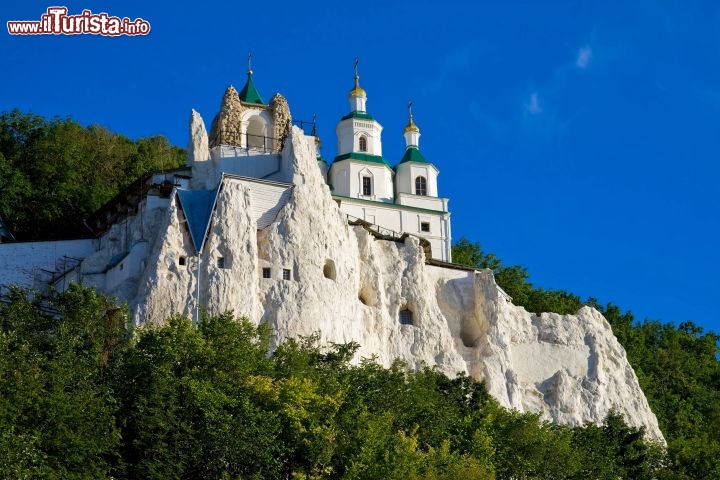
(406, 317)
(420, 186)
(363, 143)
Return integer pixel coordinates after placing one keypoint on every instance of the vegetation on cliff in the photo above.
(55, 173)
(677, 366)
(82, 396)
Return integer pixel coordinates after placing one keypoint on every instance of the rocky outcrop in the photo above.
(310, 272)
(569, 368)
(199, 152)
(226, 127)
(282, 121)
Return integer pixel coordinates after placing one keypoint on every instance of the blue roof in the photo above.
(198, 206)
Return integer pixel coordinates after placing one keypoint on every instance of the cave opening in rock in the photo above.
(329, 269)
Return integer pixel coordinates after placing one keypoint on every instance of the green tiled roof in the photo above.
(363, 157)
(360, 115)
(249, 93)
(412, 154)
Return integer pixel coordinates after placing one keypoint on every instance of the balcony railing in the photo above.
(261, 143)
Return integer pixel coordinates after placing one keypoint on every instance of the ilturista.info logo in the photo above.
(56, 21)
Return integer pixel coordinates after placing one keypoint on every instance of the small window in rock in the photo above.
(182, 260)
(329, 269)
(286, 274)
(424, 226)
(121, 266)
(406, 317)
(221, 262)
(266, 272)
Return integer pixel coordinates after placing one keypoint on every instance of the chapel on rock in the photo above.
(247, 135)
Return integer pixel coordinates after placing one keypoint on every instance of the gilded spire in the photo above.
(357, 91)
(411, 127)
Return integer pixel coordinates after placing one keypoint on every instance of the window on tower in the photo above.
(366, 186)
(363, 143)
(420, 186)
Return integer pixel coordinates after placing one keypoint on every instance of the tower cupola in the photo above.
(357, 96)
(412, 132)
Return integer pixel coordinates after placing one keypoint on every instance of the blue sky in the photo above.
(578, 139)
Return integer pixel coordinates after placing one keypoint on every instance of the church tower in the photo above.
(247, 122)
(359, 170)
(414, 175)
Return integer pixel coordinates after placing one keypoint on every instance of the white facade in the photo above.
(351, 132)
(407, 174)
(394, 220)
(364, 180)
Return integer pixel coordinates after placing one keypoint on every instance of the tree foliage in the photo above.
(84, 396)
(54, 173)
(677, 367)
(513, 280)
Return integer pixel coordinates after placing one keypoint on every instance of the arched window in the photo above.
(256, 136)
(363, 143)
(420, 186)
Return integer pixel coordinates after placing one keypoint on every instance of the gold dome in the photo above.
(411, 127)
(357, 91)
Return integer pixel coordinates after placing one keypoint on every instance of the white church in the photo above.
(403, 198)
(247, 135)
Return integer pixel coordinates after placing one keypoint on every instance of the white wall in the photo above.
(267, 198)
(347, 180)
(401, 220)
(129, 266)
(421, 201)
(348, 134)
(407, 172)
(24, 263)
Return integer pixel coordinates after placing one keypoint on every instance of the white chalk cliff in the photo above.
(348, 285)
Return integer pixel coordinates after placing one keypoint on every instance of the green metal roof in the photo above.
(249, 93)
(412, 154)
(363, 157)
(360, 115)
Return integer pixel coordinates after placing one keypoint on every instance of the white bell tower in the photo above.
(415, 176)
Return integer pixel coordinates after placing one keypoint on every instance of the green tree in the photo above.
(54, 173)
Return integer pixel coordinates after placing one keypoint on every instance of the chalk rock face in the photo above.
(310, 272)
(569, 368)
(226, 127)
(199, 151)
